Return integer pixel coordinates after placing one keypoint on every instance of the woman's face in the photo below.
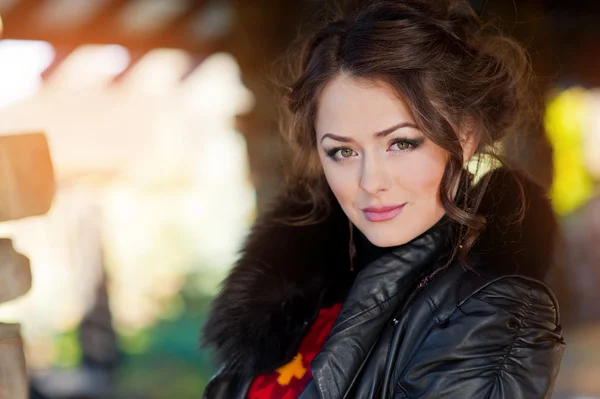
(382, 169)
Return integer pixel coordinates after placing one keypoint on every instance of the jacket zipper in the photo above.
(420, 287)
(396, 319)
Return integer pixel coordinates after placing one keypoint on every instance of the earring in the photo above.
(470, 175)
(351, 247)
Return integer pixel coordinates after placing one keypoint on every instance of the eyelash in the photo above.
(414, 144)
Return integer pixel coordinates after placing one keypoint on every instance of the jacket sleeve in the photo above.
(504, 341)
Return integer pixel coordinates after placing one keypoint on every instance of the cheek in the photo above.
(340, 181)
(422, 174)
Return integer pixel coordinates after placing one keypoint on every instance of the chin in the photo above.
(384, 237)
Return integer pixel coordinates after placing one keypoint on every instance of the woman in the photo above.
(386, 270)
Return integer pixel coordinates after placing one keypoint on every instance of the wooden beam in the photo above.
(104, 28)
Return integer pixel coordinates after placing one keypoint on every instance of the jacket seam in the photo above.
(377, 305)
(529, 281)
(432, 308)
(525, 309)
(400, 389)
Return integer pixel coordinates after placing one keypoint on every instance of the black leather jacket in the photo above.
(410, 326)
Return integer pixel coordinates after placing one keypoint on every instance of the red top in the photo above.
(288, 381)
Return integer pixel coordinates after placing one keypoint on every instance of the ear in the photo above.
(468, 138)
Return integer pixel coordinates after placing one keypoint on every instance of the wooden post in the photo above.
(15, 272)
(27, 189)
(15, 281)
(13, 375)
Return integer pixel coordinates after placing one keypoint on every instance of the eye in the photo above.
(346, 152)
(401, 145)
(339, 154)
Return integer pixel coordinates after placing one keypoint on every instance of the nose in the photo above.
(374, 175)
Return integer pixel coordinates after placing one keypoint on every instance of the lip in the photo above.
(381, 214)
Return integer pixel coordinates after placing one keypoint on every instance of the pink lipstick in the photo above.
(381, 214)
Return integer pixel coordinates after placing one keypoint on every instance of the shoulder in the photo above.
(523, 312)
(458, 289)
(499, 339)
(512, 293)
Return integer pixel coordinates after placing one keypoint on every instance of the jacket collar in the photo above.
(278, 281)
(380, 289)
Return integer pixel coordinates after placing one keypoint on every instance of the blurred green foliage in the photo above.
(164, 361)
(67, 350)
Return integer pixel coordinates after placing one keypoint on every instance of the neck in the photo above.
(367, 252)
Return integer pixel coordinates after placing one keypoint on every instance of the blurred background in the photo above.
(162, 131)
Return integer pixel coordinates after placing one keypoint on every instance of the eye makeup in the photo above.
(335, 153)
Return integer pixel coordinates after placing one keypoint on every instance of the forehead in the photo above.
(352, 107)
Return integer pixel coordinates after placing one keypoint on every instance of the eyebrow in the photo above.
(377, 135)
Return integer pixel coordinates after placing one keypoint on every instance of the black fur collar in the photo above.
(282, 270)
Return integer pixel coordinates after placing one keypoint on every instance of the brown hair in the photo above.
(450, 69)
